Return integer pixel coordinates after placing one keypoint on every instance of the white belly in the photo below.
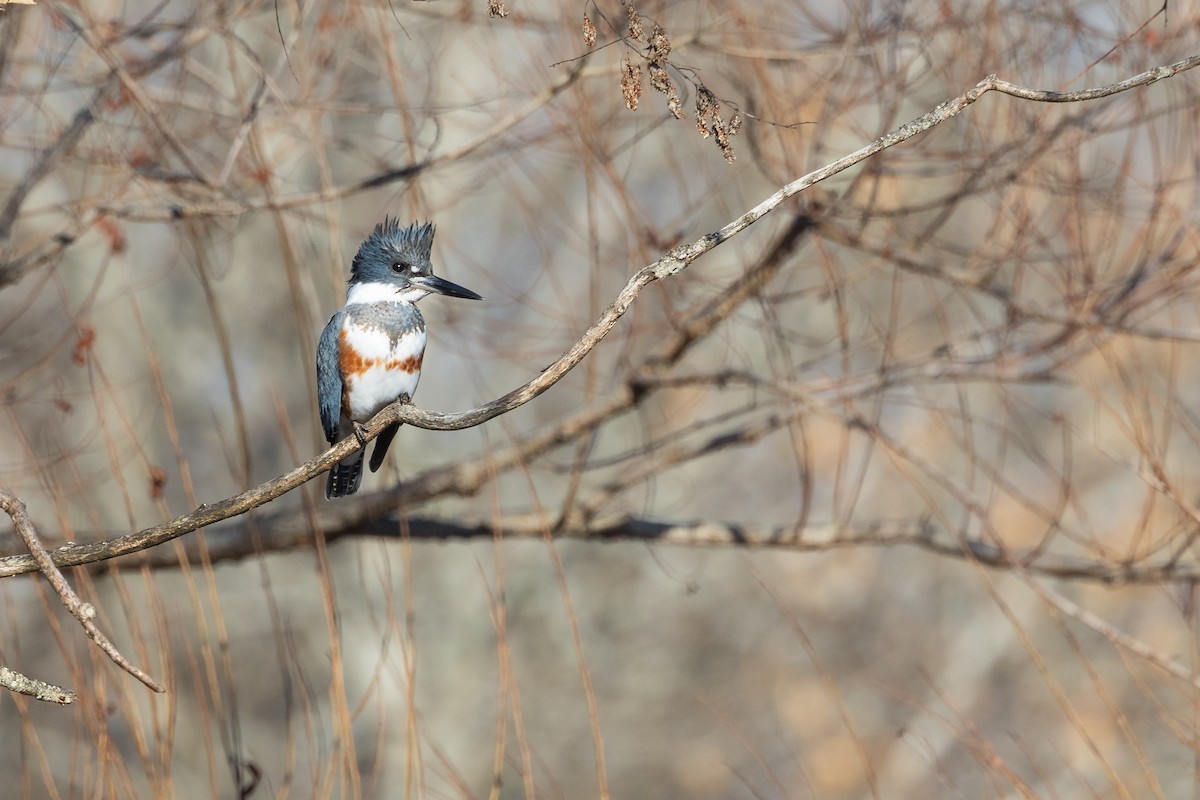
(390, 370)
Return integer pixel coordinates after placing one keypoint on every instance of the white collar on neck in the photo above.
(376, 292)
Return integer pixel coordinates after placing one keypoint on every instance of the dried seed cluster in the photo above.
(710, 123)
(657, 51)
(631, 83)
(635, 22)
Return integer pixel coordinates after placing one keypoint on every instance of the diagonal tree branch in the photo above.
(669, 265)
(460, 479)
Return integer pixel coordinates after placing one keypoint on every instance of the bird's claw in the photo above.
(360, 433)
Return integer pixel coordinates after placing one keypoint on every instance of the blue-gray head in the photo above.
(400, 257)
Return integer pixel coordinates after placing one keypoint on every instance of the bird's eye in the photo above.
(398, 266)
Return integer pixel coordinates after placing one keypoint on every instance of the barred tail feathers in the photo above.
(345, 476)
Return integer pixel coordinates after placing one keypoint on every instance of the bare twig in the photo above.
(1114, 634)
(12, 269)
(84, 612)
(32, 687)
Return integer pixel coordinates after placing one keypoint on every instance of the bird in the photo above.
(370, 353)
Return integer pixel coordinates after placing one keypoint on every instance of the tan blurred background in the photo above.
(982, 345)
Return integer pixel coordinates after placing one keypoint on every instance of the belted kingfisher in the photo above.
(370, 353)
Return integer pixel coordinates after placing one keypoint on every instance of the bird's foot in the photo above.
(360, 433)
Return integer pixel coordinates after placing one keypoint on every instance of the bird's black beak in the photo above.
(442, 286)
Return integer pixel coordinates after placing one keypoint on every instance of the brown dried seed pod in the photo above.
(658, 77)
(631, 83)
(721, 132)
(589, 32)
(661, 82)
(707, 112)
(660, 45)
(673, 104)
(635, 23)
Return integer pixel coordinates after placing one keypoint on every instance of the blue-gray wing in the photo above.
(329, 377)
